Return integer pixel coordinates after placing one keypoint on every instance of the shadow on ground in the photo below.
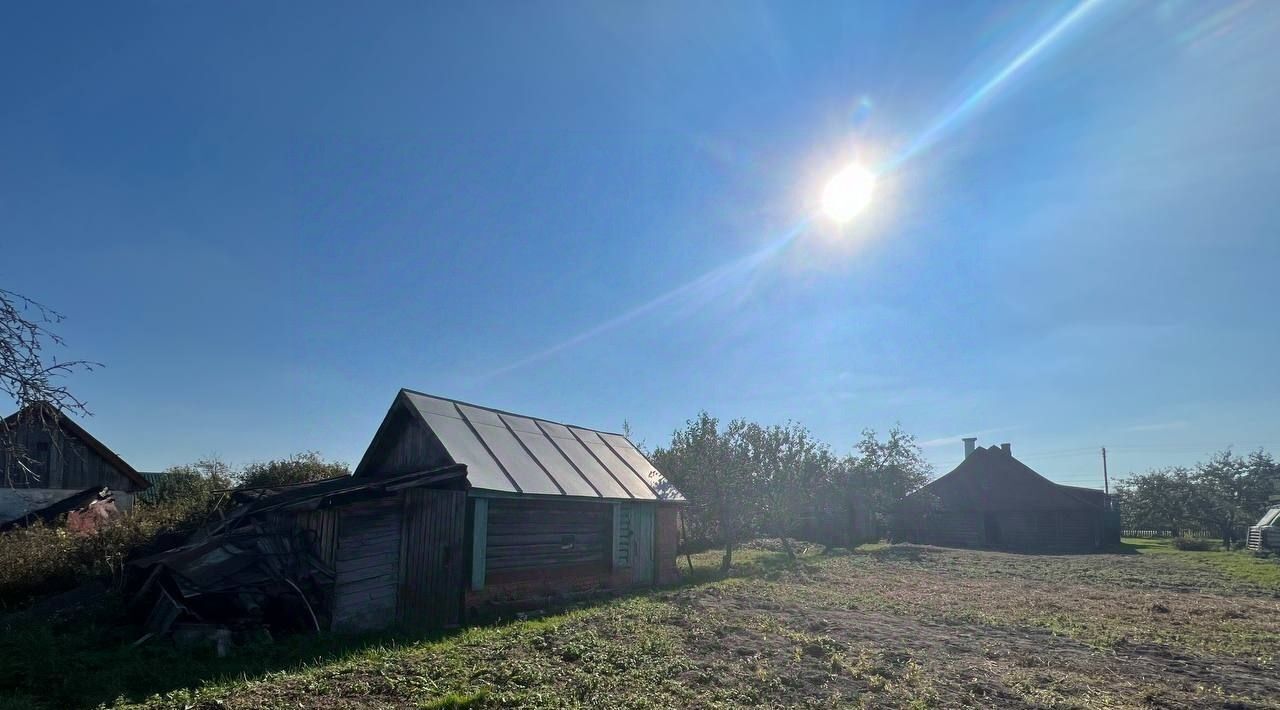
(88, 660)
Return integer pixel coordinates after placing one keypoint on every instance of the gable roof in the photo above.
(69, 426)
(990, 479)
(513, 453)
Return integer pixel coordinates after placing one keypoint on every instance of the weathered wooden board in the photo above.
(528, 534)
(403, 445)
(322, 529)
(367, 565)
(432, 559)
(60, 460)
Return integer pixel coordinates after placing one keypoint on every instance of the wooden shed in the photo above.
(64, 455)
(60, 461)
(542, 512)
(993, 500)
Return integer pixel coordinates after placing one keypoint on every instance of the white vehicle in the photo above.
(1266, 534)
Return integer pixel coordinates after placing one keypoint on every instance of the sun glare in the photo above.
(848, 193)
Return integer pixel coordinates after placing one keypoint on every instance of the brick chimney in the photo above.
(969, 443)
(1007, 449)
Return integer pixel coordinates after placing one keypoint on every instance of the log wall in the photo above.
(537, 564)
(1039, 531)
(526, 536)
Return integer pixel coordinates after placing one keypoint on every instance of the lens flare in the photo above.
(959, 112)
(848, 193)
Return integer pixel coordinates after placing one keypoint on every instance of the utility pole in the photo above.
(1106, 486)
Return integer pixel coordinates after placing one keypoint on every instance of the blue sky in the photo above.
(265, 218)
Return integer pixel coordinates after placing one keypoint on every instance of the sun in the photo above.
(848, 193)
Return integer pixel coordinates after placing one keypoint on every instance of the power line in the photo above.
(1203, 448)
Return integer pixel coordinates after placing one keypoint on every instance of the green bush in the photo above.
(47, 559)
(299, 468)
(40, 560)
(1192, 544)
(188, 485)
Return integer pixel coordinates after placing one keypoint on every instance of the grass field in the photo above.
(882, 626)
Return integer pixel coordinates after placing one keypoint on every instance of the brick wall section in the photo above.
(556, 586)
(666, 544)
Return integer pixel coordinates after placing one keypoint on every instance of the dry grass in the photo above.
(1128, 601)
(884, 627)
(42, 560)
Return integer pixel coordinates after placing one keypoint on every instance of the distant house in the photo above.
(993, 500)
(62, 462)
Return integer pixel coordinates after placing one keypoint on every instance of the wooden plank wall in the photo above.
(1061, 531)
(406, 446)
(322, 527)
(1079, 530)
(432, 560)
(536, 534)
(479, 524)
(953, 529)
(666, 543)
(368, 565)
(1053, 530)
(70, 463)
(642, 519)
(621, 535)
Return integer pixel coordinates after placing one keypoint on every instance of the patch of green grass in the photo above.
(455, 701)
(1239, 565)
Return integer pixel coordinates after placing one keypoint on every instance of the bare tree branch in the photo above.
(32, 378)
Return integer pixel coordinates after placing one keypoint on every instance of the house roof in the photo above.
(992, 480)
(71, 427)
(1092, 496)
(513, 453)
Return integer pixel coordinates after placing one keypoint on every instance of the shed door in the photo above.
(368, 566)
(431, 564)
(642, 519)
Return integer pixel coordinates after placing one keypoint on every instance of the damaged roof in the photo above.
(312, 495)
(235, 567)
(514, 453)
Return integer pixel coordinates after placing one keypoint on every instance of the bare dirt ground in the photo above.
(882, 659)
(893, 627)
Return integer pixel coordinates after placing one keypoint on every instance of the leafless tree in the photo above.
(32, 377)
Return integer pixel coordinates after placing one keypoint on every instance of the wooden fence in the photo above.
(1195, 534)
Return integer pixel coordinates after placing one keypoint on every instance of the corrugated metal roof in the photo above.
(150, 493)
(512, 453)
